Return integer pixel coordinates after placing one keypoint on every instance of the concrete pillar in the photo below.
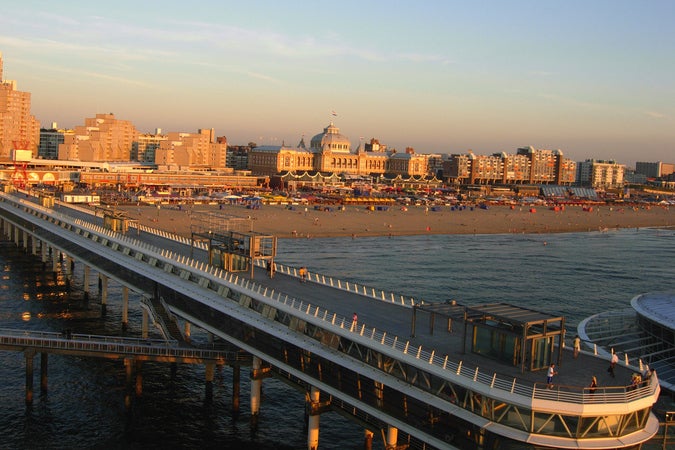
(44, 366)
(313, 420)
(209, 372)
(256, 387)
(25, 240)
(33, 245)
(144, 324)
(103, 280)
(44, 250)
(236, 387)
(368, 440)
(55, 261)
(392, 437)
(16, 236)
(139, 378)
(69, 265)
(128, 369)
(87, 274)
(125, 307)
(29, 376)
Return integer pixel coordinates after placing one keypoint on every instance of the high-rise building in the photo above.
(654, 169)
(601, 174)
(50, 139)
(101, 138)
(191, 151)
(527, 166)
(18, 128)
(145, 149)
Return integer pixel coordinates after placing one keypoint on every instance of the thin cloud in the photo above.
(573, 102)
(655, 115)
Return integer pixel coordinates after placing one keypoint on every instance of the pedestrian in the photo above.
(577, 346)
(550, 375)
(270, 269)
(303, 274)
(593, 386)
(355, 318)
(612, 364)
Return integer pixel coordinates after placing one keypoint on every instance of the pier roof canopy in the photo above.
(514, 315)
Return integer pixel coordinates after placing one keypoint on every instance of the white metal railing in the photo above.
(97, 343)
(342, 325)
(336, 283)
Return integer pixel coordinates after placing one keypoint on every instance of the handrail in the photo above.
(354, 288)
(96, 343)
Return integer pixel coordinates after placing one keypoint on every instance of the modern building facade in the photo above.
(145, 148)
(50, 139)
(527, 166)
(18, 127)
(191, 151)
(601, 174)
(101, 138)
(654, 169)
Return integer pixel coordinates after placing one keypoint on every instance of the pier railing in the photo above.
(492, 384)
(109, 344)
(352, 287)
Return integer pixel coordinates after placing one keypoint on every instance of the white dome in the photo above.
(330, 140)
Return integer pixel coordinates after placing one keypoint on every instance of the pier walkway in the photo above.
(399, 366)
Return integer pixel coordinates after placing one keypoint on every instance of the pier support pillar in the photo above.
(392, 437)
(55, 261)
(236, 387)
(210, 370)
(69, 265)
(313, 420)
(87, 275)
(44, 367)
(188, 330)
(25, 240)
(256, 388)
(29, 376)
(103, 286)
(139, 378)
(17, 231)
(44, 250)
(368, 440)
(144, 324)
(125, 307)
(128, 369)
(33, 245)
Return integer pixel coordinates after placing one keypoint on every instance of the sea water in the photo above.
(574, 274)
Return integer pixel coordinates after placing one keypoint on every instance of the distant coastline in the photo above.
(358, 221)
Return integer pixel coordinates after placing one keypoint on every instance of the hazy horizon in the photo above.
(593, 79)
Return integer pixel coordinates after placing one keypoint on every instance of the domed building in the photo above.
(330, 141)
(330, 157)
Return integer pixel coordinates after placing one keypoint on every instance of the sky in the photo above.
(595, 79)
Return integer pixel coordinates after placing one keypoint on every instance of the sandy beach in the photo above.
(358, 221)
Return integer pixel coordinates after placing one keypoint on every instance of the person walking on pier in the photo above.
(303, 274)
(577, 346)
(612, 364)
(593, 386)
(550, 375)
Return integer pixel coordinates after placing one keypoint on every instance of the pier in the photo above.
(408, 371)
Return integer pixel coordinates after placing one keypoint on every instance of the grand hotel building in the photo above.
(331, 153)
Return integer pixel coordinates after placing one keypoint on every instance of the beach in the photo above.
(359, 221)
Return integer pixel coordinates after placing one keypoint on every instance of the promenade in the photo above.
(307, 331)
